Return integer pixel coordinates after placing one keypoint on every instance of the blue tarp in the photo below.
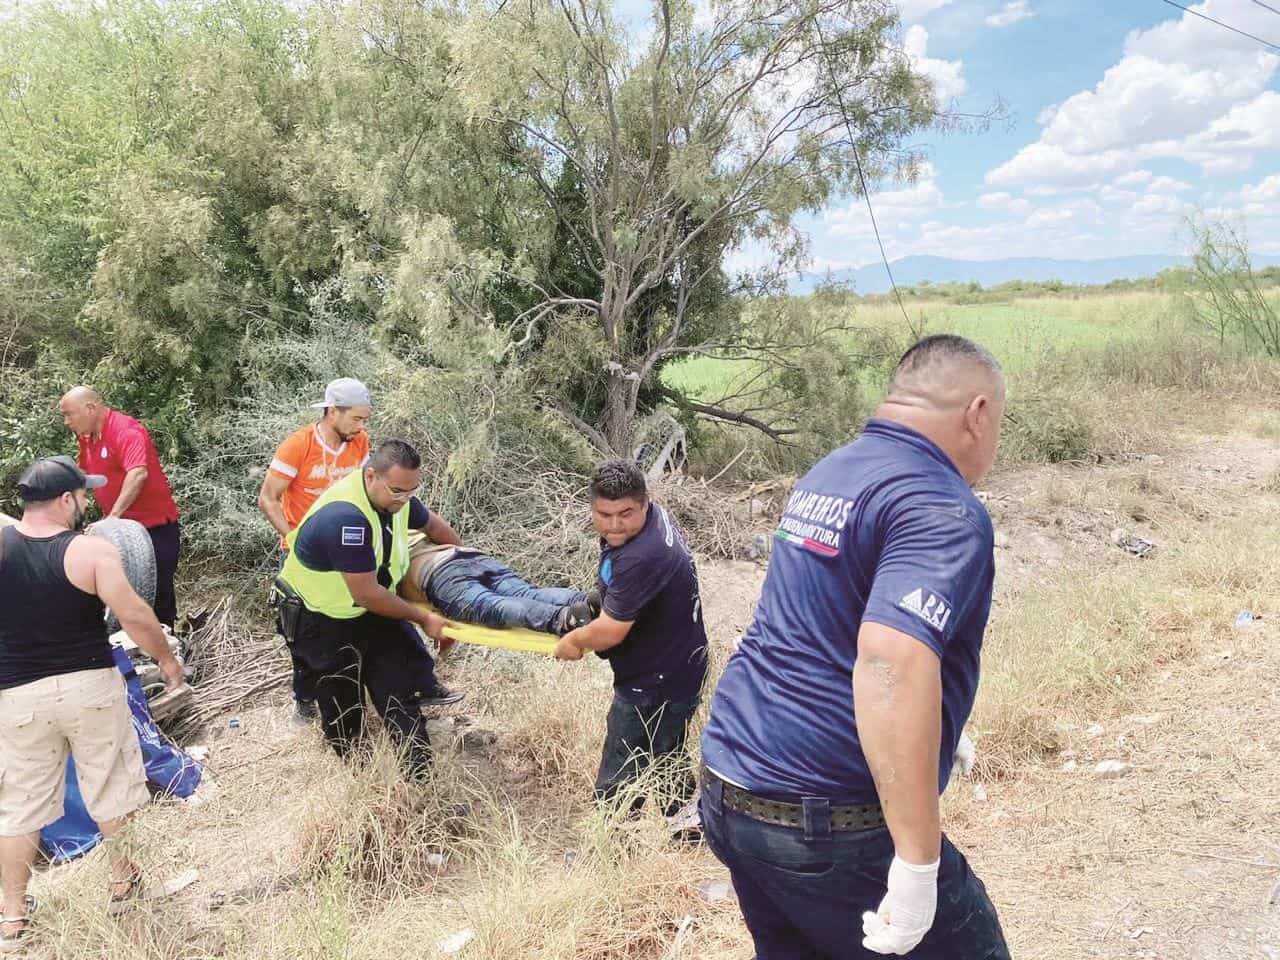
(170, 772)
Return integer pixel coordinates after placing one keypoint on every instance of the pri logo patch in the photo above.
(353, 536)
(930, 608)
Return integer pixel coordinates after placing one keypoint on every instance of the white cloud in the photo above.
(1117, 197)
(1267, 190)
(1004, 201)
(913, 10)
(1167, 185)
(947, 75)
(1044, 165)
(1047, 216)
(1134, 178)
(897, 208)
(1184, 88)
(1244, 130)
(1159, 205)
(1012, 13)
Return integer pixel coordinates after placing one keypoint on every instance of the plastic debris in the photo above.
(1132, 543)
(714, 891)
(455, 941)
(1246, 618)
(1112, 769)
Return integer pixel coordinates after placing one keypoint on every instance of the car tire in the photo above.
(138, 555)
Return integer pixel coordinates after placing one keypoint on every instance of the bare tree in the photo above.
(1224, 295)
(710, 134)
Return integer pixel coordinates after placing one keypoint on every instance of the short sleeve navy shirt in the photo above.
(338, 537)
(651, 581)
(885, 530)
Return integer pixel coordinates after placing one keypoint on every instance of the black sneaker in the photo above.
(305, 712)
(575, 615)
(594, 603)
(440, 696)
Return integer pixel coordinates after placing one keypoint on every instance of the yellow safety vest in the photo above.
(326, 592)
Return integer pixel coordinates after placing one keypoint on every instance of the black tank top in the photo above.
(48, 626)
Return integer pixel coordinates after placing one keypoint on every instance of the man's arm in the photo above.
(271, 501)
(135, 616)
(600, 634)
(897, 689)
(368, 593)
(134, 481)
(439, 531)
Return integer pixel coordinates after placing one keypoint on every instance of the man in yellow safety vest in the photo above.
(343, 618)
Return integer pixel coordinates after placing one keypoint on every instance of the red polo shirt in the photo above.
(123, 445)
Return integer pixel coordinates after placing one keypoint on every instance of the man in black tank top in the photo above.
(60, 692)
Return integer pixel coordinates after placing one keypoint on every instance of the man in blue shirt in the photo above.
(650, 630)
(833, 727)
(348, 627)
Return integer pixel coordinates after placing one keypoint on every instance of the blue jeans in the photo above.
(476, 588)
(638, 736)
(803, 891)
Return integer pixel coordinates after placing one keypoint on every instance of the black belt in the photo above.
(844, 816)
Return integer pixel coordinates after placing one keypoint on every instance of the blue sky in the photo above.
(1126, 114)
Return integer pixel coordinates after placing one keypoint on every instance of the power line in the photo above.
(1266, 6)
(866, 195)
(862, 179)
(1202, 16)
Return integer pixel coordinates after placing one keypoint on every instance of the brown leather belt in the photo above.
(845, 816)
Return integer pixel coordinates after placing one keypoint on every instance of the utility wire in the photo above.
(857, 159)
(1266, 6)
(1202, 16)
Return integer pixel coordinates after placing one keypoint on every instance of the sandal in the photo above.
(120, 901)
(10, 942)
(155, 890)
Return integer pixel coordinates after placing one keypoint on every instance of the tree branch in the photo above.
(777, 434)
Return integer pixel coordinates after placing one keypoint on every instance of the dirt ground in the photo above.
(1181, 857)
(1178, 859)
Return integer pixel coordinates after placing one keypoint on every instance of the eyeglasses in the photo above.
(398, 494)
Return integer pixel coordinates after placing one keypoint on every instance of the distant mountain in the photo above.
(912, 270)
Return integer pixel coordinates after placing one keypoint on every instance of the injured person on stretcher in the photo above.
(469, 586)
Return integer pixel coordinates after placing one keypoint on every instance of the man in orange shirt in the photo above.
(306, 464)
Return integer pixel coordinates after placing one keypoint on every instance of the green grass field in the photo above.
(1022, 332)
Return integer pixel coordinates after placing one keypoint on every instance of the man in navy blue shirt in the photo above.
(352, 631)
(650, 630)
(834, 726)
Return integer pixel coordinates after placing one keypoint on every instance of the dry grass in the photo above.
(1058, 648)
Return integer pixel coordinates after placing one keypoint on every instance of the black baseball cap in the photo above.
(51, 477)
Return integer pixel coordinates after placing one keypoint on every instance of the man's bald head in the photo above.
(951, 390)
(82, 394)
(945, 370)
(82, 410)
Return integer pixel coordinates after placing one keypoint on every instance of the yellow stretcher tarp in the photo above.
(509, 638)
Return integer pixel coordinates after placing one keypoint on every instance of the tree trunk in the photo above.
(617, 411)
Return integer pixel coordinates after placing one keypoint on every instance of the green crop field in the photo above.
(1021, 332)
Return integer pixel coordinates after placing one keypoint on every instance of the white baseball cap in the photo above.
(344, 392)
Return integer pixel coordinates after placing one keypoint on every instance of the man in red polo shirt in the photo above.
(119, 448)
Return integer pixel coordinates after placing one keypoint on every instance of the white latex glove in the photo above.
(966, 754)
(906, 912)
